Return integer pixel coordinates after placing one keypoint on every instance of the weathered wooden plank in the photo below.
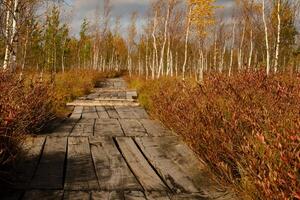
(83, 129)
(28, 162)
(140, 113)
(76, 195)
(111, 169)
(102, 103)
(112, 112)
(77, 112)
(43, 195)
(102, 112)
(155, 128)
(116, 98)
(49, 174)
(154, 195)
(114, 195)
(65, 128)
(132, 127)
(108, 127)
(131, 95)
(134, 195)
(126, 112)
(89, 112)
(131, 112)
(139, 165)
(177, 164)
(80, 174)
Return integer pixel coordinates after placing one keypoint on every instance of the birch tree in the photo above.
(278, 35)
(266, 36)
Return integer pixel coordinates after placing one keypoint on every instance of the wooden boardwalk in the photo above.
(110, 149)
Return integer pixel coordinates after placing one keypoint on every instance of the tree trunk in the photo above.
(162, 53)
(251, 49)
(7, 31)
(240, 56)
(232, 50)
(278, 36)
(266, 38)
(186, 42)
(14, 36)
(155, 56)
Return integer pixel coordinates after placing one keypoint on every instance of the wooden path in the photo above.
(110, 149)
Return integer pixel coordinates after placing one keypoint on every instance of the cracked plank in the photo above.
(49, 174)
(80, 174)
(111, 168)
(139, 165)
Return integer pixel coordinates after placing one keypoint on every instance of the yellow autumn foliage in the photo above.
(202, 14)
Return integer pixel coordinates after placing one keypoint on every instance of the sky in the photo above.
(77, 10)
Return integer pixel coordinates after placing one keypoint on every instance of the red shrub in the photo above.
(246, 127)
(23, 109)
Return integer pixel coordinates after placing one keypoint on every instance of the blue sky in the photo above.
(77, 10)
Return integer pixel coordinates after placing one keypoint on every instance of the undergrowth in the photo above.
(246, 127)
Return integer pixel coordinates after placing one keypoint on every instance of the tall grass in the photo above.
(246, 127)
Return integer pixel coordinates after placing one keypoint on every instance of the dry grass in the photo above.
(246, 127)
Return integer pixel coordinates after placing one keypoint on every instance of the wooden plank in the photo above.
(131, 95)
(43, 195)
(26, 166)
(154, 195)
(112, 113)
(77, 112)
(86, 121)
(102, 103)
(140, 113)
(155, 128)
(111, 169)
(49, 174)
(83, 129)
(76, 195)
(177, 164)
(134, 195)
(108, 127)
(132, 127)
(65, 128)
(80, 174)
(139, 165)
(131, 112)
(115, 98)
(89, 112)
(114, 195)
(102, 112)
(125, 112)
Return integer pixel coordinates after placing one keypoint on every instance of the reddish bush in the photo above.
(26, 106)
(246, 127)
(23, 109)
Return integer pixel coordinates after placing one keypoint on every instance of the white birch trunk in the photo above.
(155, 56)
(251, 49)
(232, 50)
(7, 31)
(186, 42)
(162, 53)
(240, 56)
(278, 36)
(266, 38)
